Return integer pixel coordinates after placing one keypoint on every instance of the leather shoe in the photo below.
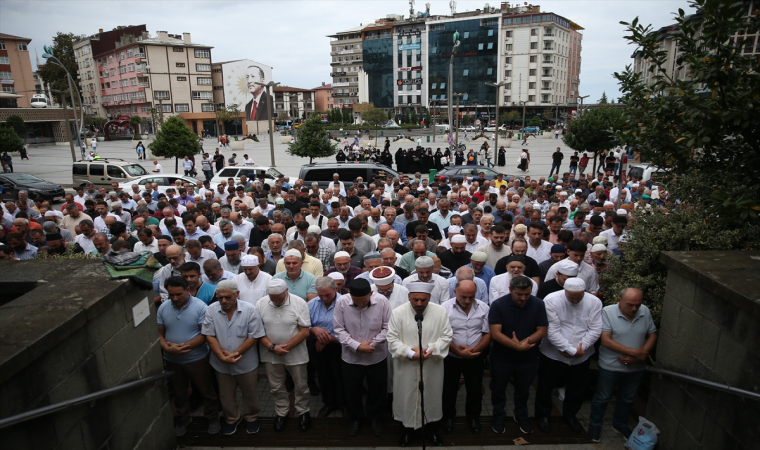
(353, 427)
(544, 425)
(448, 425)
(327, 410)
(377, 427)
(406, 439)
(279, 423)
(436, 439)
(475, 426)
(304, 422)
(573, 423)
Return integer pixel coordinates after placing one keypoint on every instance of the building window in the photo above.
(178, 49)
(130, 53)
(203, 67)
(532, 72)
(508, 60)
(166, 108)
(533, 58)
(534, 31)
(509, 33)
(532, 85)
(466, 35)
(181, 78)
(133, 81)
(480, 46)
(534, 45)
(489, 71)
(489, 46)
(9, 89)
(180, 64)
(207, 107)
(490, 32)
(161, 95)
(531, 98)
(4, 60)
(113, 72)
(110, 59)
(131, 67)
(22, 46)
(508, 47)
(203, 95)
(182, 107)
(2, 45)
(202, 53)
(432, 86)
(507, 73)
(443, 85)
(508, 98)
(218, 88)
(204, 81)
(508, 86)
(122, 69)
(145, 108)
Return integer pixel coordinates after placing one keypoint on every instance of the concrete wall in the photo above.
(710, 329)
(70, 336)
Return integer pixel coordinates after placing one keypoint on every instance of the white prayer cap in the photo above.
(227, 284)
(608, 203)
(315, 229)
(50, 214)
(479, 257)
(341, 254)
(383, 276)
(621, 212)
(455, 229)
(249, 261)
(458, 239)
(567, 267)
(575, 285)
(337, 276)
(216, 205)
(598, 248)
(600, 240)
(276, 286)
(423, 262)
(293, 252)
(418, 286)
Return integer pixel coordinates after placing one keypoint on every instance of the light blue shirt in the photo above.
(245, 324)
(303, 285)
(183, 325)
(225, 276)
(398, 227)
(198, 233)
(481, 294)
(320, 315)
(438, 219)
(28, 253)
(219, 239)
(486, 274)
(632, 334)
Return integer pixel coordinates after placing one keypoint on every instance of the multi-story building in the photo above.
(346, 63)
(16, 75)
(84, 49)
(377, 77)
(323, 100)
(293, 102)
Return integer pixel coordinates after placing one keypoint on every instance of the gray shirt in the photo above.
(231, 333)
(632, 334)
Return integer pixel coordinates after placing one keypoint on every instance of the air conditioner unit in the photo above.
(147, 67)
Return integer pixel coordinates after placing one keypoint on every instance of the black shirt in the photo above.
(548, 287)
(557, 157)
(531, 267)
(219, 161)
(161, 258)
(400, 249)
(434, 232)
(522, 321)
(403, 273)
(544, 268)
(294, 207)
(454, 262)
(574, 161)
(353, 202)
(257, 236)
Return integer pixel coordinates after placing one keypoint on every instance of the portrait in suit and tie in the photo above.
(260, 106)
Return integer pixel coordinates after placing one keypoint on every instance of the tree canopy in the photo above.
(9, 140)
(312, 140)
(593, 132)
(374, 117)
(175, 140)
(17, 123)
(227, 113)
(63, 49)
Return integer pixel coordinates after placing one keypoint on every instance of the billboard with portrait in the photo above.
(240, 78)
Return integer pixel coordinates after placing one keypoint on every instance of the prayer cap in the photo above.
(458, 239)
(53, 237)
(294, 252)
(337, 276)
(423, 262)
(360, 287)
(276, 286)
(315, 229)
(417, 286)
(383, 276)
(341, 254)
(227, 284)
(520, 228)
(231, 245)
(567, 267)
(598, 248)
(479, 257)
(622, 212)
(249, 261)
(455, 229)
(600, 240)
(575, 285)
(558, 248)
(371, 256)
(47, 226)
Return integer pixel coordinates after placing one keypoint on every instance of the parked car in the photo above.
(492, 128)
(322, 173)
(11, 183)
(469, 128)
(103, 172)
(270, 173)
(646, 172)
(470, 171)
(529, 129)
(163, 180)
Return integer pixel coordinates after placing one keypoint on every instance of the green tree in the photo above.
(705, 120)
(227, 113)
(413, 117)
(510, 117)
(594, 131)
(374, 117)
(603, 100)
(312, 141)
(535, 122)
(63, 49)
(175, 140)
(9, 140)
(17, 123)
(390, 114)
(135, 121)
(347, 116)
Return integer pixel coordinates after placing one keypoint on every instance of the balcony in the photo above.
(548, 49)
(547, 62)
(547, 75)
(545, 101)
(139, 55)
(549, 35)
(144, 85)
(545, 88)
(7, 81)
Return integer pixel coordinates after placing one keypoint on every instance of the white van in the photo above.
(442, 126)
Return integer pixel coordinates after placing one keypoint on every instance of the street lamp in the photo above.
(456, 139)
(451, 79)
(271, 137)
(498, 87)
(77, 123)
(523, 121)
(581, 110)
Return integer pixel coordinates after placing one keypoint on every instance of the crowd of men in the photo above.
(328, 288)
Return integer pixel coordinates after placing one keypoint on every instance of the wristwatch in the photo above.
(271, 348)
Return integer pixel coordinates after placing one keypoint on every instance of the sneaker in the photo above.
(497, 425)
(625, 431)
(230, 428)
(595, 433)
(180, 428)
(525, 425)
(252, 427)
(214, 426)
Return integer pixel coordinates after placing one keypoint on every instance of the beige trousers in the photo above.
(228, 385)
(276, 375)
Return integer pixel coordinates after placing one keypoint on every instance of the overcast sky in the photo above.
(291, 35)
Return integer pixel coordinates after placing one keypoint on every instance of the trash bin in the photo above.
(428, 138)
(382, 133)
(432, 174)
(518, 136)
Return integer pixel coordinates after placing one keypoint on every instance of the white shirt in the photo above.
(243, 229)
(467, 329)
(499, 286)
(85, 243)
(585, 273)
(100, 224)
(252, 291)
(612, 238)
(249, 162)
(157, 168)
(152, 247)
(441, 291)
(311, 220)
(479, 242)
(282, 324)
(82, 199)
(542, 254)
(570, 325)
(212, 231)
(205, 256)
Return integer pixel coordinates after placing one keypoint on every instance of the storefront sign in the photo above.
(413, 81)
(415, 46)
(409, 33)
(415, 92)
(407, 69)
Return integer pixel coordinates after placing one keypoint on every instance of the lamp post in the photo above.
(271, 137)
(77, 123)
(67, 127)
(523, 121)
(581, 110)
(456, 138)
(451, 79)
(498, 87)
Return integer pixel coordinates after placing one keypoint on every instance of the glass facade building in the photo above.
(476, 60)
(378, 65)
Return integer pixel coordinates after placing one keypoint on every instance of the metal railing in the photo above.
(50, 409)
(709, 384)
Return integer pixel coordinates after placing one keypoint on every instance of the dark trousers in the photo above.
(330, 376)
(550, 372)
(200, 374)
(555, 165)
(628, 383)
(472, 369)
(377, 380)
(521, 374)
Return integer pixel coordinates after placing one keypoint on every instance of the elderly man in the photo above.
(324, 349)
(474, 239)
(565, 269)
(467, 274)
(343, 265)
(478, 265)
(186, 353)
(310, 264)
(405, 348)
(419, 249)
(225, 232)
(361, 325)
(515, 266)
(85, 238)
(390, 218)
(234, 355)
(214, 274)
(518, 323)
(628, 336)
(424, 274)
(372, 261)
(471, 337)
(565, 354)
(286, 321)
(252, 282)
(231, 259)
(197, 254)
(298, 281)
(73, 218)
(176, 258)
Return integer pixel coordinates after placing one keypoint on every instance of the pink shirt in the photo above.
(353, 325)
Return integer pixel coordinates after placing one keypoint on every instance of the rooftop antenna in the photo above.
(453, 6)
(427, 9)
(411, 9)
(487, 8)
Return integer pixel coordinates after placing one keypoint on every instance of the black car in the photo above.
(472, 172)
(11, 183)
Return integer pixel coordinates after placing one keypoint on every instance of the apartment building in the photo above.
(323, 100)
(293, 102)
(346, 63)
(16, 74)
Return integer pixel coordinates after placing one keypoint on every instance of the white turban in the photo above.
(567, 267)
(424, 262)
(418, 286)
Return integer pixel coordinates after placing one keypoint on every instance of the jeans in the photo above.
(555, 165)
(522, 375)
(628, 385)
(209, 174)
(489, 163)
(573, 170)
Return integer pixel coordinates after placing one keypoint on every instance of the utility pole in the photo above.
(498, 97)
(456, 139)
(269, 114)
